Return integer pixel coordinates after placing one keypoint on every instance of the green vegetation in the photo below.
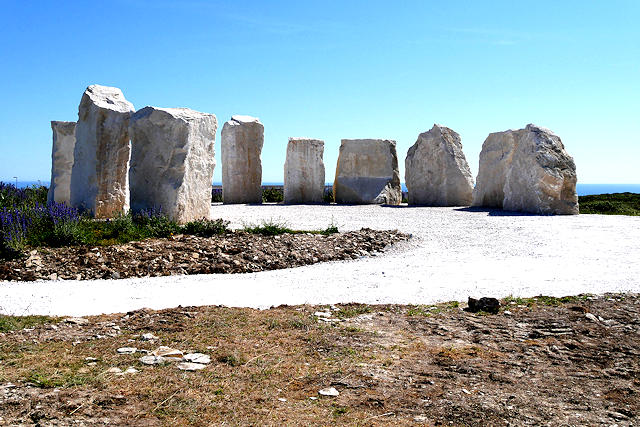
(543, 300)
(14, 323)
(430, 310)
(272, 195)
(27, 220)
(610, 204)
(352, 310)
(274, 228)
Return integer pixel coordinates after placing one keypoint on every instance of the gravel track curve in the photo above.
(454, 253)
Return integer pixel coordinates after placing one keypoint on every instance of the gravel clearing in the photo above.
(454, 253)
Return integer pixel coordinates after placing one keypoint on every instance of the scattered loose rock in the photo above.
(237, 252)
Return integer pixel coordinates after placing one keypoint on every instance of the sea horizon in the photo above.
(581, 189)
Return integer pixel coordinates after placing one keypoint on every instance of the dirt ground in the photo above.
(234, 252)
(539, 361)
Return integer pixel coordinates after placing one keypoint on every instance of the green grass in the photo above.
(272, 195)
(611, 204)
(430, 310)
(13, 323)
(274, 228)
(352, 310)
(543, 300)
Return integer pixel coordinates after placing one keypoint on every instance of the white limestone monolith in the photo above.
(64, 141)
(526, 170)
(100, 174)
(172, 162)
(304, 171)
(241, 145)
(436, 170)
(367, 172)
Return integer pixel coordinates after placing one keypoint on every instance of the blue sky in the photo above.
(334, 69)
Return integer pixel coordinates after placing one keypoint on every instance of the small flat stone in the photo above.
(197, 358)
(127, 350)
(114, 370)
(591, 317)
(189, 366)
(148, 337)
(77, 320)
(329, 391)
(168, 352)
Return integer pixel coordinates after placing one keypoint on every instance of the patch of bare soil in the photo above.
(236, 252)
(542, 361)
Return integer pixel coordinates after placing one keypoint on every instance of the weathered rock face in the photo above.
(242, 139)
(100, 175)
(436, 171)
(172, 161)
(367, 172)
(64, 141)
(304, 171)
(526, 170)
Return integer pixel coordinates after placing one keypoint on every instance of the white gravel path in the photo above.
(454, 254)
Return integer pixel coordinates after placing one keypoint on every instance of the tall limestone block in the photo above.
(100, 175)
(304, 171)
(527, 170)
(64, 141)
(436, 170)
(367, 172)
(242, 139)
(172, 161)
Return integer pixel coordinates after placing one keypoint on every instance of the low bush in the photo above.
(272, 195)
(206, 227)
(327, 197)
(610, 204)
(216, 195)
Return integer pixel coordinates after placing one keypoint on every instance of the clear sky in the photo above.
(334, 69)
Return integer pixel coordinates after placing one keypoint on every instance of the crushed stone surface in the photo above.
(454, 253)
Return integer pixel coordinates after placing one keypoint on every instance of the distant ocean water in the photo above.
(583, 189)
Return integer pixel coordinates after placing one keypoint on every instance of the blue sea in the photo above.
(583, 189)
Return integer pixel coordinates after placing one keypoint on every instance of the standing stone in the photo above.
(172, 162)
(526, 170)
(242, 139)
(367, 172)
(436, 171)
(304, 171)
(100, 176)
(64, 141)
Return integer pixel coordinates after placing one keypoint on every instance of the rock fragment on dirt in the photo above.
(329, 391)
(77, 320)
(486, 304)
(190, 366)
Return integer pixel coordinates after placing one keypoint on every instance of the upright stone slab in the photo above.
(172, 162)
(436, 170)
(242, 139)
(304, 171)
(527, 170)
(64, 141)
(100, 175)
(367, 172)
